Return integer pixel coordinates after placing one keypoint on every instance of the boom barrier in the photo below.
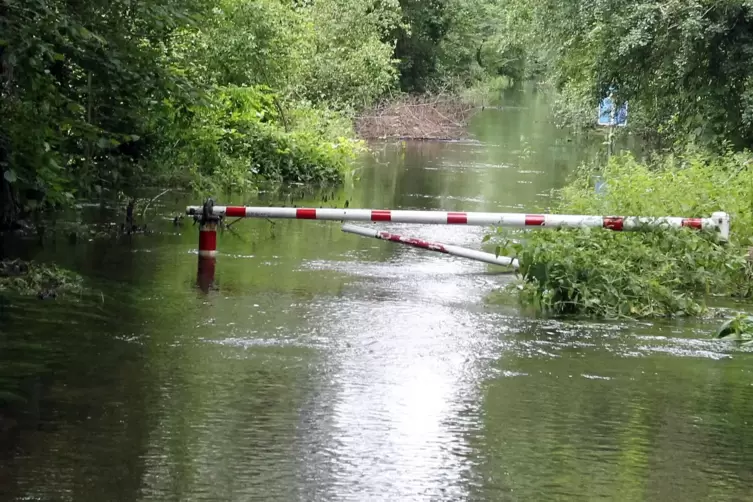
(210, 215)
(718, 221)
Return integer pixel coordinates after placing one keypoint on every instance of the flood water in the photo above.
(321, 365)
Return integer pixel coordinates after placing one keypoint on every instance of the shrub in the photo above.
(242, 137)
(602, 273)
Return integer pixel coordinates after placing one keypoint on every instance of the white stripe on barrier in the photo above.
(719, 221)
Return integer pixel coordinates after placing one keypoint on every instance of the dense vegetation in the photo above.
(602, 273)
(216, 94)
(682, 64)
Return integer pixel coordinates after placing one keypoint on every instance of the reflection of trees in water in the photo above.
(84, 402)
(84, 391)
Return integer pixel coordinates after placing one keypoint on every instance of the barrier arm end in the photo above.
(722, 220)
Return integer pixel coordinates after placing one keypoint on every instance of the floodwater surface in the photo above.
(320, 365)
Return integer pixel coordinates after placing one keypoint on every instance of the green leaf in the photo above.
(486, 238)
(10, 176)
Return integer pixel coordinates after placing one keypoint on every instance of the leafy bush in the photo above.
(115, 94)
(334, 51)
(602, 273)
(241, 137)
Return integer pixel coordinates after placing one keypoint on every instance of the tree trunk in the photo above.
(9, 208)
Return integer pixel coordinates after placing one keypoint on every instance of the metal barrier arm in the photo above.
(718, 221)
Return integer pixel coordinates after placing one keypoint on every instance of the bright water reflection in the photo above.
(326, 366)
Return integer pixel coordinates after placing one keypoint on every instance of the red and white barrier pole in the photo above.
(719, 221)
(208, 239)
(205, 273)
(433, 246)
(207, 246)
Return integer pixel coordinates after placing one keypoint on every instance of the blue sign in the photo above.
(608, 116)
(600, 185)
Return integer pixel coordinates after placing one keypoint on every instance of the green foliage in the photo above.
(351, 62)
(117, 94)
(602, 273)
(455, 44)
(79, 81)
(237, 140)
(683, 65)
(693, 183)
(330, 52)
(739, 328)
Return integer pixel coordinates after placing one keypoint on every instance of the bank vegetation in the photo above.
(112, 95)
(655, 273)
(683, 68)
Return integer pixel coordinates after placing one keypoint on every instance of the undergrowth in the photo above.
(605, 274)
(244, 136)
(486, 92)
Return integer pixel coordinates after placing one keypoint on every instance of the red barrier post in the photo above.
(207, 246)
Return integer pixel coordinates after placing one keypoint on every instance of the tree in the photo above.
(682, 64)
(79, 81)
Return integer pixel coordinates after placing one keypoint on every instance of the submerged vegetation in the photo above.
(42, 280)
(661, 272)
(739, 329)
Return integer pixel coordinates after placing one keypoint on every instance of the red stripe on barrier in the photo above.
(305, 214)
(425, 244)
(381, 215)
(535, 220)
(457, 218)
(413, 242)
(614, 222)
(235, 211)
(692, 223)
(208, 240)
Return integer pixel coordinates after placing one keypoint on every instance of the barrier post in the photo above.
(208, 230)
(722, 221)
(207, 246)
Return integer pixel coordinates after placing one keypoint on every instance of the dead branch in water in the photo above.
(416, 117)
